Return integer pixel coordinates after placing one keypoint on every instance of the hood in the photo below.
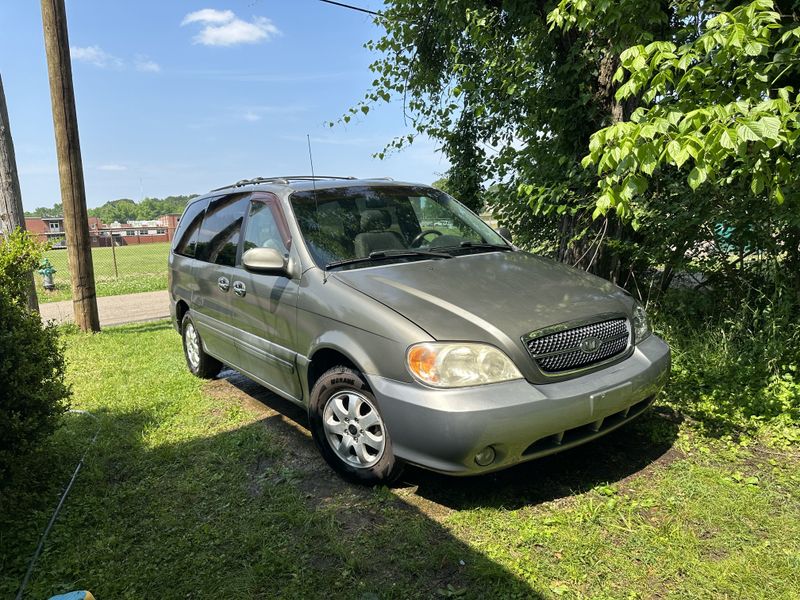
(493, 297)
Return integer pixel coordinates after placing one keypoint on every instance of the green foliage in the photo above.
(32, 389)
(19, 257)
(207, 479)
(722, 107)
(735, 368)
(55, 211)
(688, 113)
(125, 209)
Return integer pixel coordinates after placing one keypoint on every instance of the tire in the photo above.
(200, 364)
(348, 429)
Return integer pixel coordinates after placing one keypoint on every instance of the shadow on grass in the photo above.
(623, 453)
(253, 511)
(144, 326)
(249, 512)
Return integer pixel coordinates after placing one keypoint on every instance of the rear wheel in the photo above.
(199, 363)
(349, 430)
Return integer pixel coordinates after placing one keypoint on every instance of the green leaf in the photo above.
(749, 131)
(757, 184)
(697, 177)
(678, 153)
(770, 127)
(728, 139)
(753, 48)
(673, 149)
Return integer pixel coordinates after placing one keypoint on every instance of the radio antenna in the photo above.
(311, 160)
(314, 188)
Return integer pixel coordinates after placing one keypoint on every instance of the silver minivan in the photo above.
(410, 330)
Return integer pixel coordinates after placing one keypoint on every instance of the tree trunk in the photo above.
(70, 167)
(11, 212)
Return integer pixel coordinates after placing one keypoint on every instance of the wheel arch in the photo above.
(181, 308)
(325, 358)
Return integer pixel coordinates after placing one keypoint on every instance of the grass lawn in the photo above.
(140, 268)
(201, 490)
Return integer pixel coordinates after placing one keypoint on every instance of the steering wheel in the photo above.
(421, 236)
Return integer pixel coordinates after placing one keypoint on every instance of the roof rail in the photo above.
(279, 180)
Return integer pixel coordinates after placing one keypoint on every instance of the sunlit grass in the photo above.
(139, 268)
(196, 491)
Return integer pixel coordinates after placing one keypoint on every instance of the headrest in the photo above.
(375, 202)
(375, 220)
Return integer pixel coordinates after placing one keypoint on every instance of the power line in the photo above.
(351, 7)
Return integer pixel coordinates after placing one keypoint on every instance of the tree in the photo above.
(723, 109)
(514, 103)
(55, 211)
(519, 92)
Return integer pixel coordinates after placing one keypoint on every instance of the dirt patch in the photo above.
(297, 461)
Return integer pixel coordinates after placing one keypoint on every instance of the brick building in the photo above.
(51, 229)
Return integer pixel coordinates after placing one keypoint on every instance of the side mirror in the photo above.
(265, 260)
(505, 232)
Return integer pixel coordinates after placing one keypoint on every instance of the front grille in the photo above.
(562, 350)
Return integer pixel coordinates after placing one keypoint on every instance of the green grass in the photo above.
(140, 268)
(203, 490)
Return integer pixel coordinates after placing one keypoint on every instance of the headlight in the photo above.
(641, 326)
(449, 365)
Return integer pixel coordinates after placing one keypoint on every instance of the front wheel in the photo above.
(199, 363)
(348, 428)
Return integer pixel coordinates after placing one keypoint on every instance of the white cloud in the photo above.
(224, 28)
(209, 15)
(95, 55)
(251, 116)
(112, 167)
(146, 65)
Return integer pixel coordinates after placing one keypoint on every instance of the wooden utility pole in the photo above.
(11, 213)
(70, 167)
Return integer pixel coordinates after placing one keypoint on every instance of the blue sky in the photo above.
(181, 97)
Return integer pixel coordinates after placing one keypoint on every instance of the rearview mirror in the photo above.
(264, 260)
(505, 232)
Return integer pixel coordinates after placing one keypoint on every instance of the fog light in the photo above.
(485, 457)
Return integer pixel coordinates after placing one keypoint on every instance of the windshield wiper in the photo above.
(379, 255)
(468, 245)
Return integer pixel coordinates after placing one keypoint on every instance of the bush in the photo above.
(734, 369)
(19, 256)
(33, 392)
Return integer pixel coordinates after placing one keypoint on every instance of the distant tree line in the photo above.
(125, 209)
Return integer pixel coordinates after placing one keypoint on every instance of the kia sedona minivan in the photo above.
(408, 328)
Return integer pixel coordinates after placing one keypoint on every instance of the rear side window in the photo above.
(218, 240)
(188, 228)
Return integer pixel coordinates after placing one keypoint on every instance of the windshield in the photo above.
(342, 224)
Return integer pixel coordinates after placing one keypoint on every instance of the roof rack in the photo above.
(280, 180)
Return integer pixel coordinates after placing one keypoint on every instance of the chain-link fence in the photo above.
(126, 260)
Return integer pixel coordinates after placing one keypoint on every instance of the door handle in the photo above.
(223, 284)
(239, 288)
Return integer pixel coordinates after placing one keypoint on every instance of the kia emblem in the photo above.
(590, 344)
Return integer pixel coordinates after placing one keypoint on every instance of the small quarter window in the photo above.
(218, 240)
(189, 227)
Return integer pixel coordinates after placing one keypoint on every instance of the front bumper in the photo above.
(442, 430)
